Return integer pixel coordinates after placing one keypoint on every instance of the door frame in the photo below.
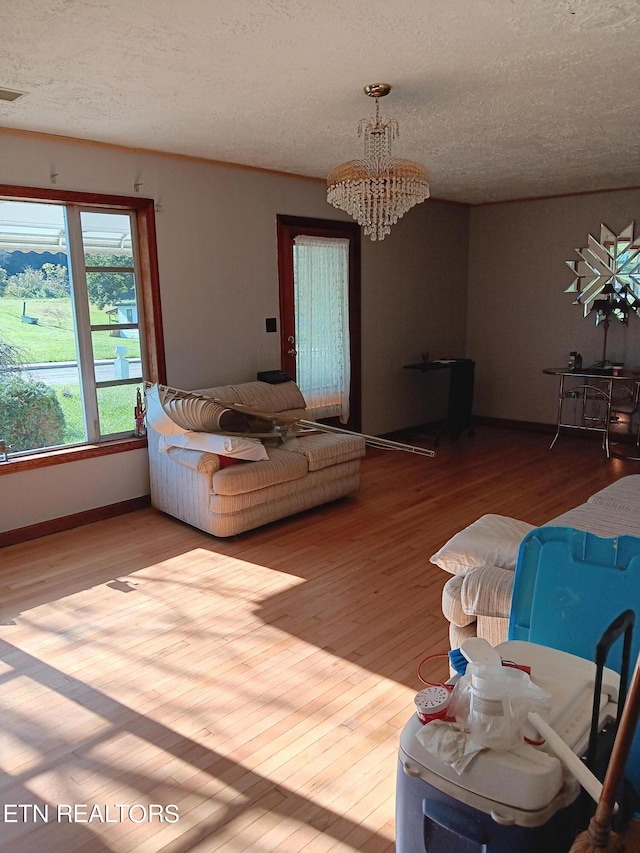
(289, 227)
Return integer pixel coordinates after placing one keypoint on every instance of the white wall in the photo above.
(217, 259)
(41, 494)
(519, 319)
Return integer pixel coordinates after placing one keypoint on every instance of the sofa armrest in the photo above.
(181, 481)
(452, 603)
(197, 460)
(487, 591)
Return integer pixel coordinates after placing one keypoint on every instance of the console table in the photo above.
(586, 404)
(461, 374)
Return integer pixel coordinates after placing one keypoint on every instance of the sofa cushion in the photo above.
(324, 449)
(279, 467)
(272, 398)
(492, 539)
(228, 517)
(261, 396)
(321, 482)
(602, 519)
(223, 445)
(624, 494)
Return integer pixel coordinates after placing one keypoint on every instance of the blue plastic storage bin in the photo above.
(569, 586)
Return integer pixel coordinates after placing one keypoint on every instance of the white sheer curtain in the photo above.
(321, 287)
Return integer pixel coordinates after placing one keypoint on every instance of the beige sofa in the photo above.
(482, 558)
(193, 478)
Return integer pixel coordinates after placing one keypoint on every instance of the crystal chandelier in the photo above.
(378, 189)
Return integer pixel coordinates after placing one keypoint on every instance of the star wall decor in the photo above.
(607, 276)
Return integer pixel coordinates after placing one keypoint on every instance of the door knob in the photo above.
(292, 352)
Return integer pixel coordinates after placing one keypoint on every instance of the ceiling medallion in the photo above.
(379, 189)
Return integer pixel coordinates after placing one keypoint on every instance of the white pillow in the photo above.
(223, 445)
(492, 539)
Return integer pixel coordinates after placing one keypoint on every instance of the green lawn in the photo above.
(52, 339)
(115, 405)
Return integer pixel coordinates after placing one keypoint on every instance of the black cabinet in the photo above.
(460, 405)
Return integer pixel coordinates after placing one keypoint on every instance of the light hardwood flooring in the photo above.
(257, 684)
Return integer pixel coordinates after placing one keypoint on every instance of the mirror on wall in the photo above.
(607, 277)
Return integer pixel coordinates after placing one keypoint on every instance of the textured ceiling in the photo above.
(500, 99)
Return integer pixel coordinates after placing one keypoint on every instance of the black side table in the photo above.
(460, 391)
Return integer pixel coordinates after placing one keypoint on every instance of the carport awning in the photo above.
(36, 227)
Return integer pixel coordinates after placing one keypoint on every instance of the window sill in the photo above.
(70, 454)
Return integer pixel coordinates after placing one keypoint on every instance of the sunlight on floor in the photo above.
(167, 690)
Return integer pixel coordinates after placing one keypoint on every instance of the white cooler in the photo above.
(504, 802)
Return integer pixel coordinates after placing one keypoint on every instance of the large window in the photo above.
(79, 318)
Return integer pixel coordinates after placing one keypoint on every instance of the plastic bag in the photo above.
(494, 702)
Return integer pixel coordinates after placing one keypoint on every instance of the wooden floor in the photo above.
(257, 685)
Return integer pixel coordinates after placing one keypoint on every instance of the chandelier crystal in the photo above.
(379, 189)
